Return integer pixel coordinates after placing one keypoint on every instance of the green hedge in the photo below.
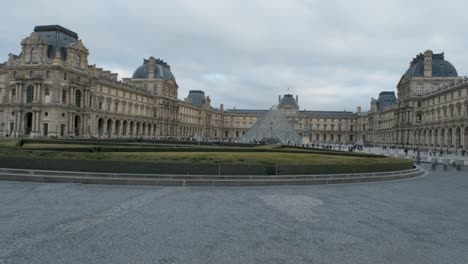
(126, 142)
(194, 169)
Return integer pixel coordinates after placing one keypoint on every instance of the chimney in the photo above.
(151, 67)
(358, 109)
(297, 99)
(221, 106)
(279, 99)
(428, 63)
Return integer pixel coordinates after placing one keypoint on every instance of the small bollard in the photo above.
(458, 167)
(445, 167)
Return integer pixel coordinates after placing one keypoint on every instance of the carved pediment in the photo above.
(33, 39)
(79, 46)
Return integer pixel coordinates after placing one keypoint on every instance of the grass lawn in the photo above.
(7, 143)
(263, 158)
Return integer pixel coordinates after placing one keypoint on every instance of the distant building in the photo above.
(50, 90)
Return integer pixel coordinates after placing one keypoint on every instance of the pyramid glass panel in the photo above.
(273, 127)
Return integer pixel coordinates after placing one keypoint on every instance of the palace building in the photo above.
(50, 90)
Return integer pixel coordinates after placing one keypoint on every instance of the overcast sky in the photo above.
(334, 54)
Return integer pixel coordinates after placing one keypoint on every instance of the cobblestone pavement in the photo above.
(422, 220)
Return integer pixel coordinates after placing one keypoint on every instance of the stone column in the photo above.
(20, 93)
(39, 97)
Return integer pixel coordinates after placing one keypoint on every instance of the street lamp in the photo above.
(339, 133)
(418, 157)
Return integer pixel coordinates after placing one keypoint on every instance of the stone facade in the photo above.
(50, 90)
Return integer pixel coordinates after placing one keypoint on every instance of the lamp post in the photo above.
(418, 155)
(339, 133)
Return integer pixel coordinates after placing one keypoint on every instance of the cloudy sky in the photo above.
(334, 54)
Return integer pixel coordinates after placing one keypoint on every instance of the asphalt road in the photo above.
(422, 220)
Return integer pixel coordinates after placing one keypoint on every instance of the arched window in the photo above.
(78, 98)
(78, 61)
(30, 94)
(46, 91)
(33, 56)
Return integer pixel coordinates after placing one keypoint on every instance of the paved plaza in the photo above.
(421, 220)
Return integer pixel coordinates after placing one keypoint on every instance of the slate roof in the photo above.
(288, 99)
(196, 98)
(57, 37)
(161, 70)
(386, 99)
(440, 67)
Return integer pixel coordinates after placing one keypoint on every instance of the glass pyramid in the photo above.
(272, 127)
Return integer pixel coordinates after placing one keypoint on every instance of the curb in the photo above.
(22, 175)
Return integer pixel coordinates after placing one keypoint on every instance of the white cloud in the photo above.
(333, 54)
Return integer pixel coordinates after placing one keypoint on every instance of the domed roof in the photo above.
(440, 67)
(160, 69)
(288, 100)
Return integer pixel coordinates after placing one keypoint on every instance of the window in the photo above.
(46, 92)
(459, 93)
(47, 74)
(31, 74)
(29, 94)
(14, 74)
(65, 76)
(13, 92)
(78, 98)
(33, 56)
(78, 61)
(116, 107)
(419, 90)
(64, 96)
(100, 105)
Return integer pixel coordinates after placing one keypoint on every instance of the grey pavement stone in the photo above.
(421, 220)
